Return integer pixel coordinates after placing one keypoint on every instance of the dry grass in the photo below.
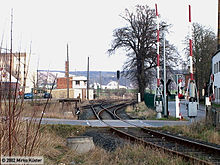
(55, 152)
(52, 143)
(140, 111)
(127, 155)
(199, 130)
(53, 110)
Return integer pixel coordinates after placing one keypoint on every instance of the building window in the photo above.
(77, 82)
(214, 68)
(219, 66)
(218, 93)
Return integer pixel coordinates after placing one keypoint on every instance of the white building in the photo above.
(216, 72)
(79, 84)
(113, 85)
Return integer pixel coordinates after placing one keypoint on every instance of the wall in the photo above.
(62, 83)
(74, 93)
(62, 93)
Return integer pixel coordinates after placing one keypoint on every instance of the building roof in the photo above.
(79, 78)
(216, 53)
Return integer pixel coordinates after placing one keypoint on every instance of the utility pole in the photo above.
(9, 95)
(100, 84)
(88, 80)
(38, 75)
(164, 85)
(100, 81)
(67, 72)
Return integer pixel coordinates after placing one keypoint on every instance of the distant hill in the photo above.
(94, 76)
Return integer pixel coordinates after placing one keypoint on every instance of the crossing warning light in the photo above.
(118, 74)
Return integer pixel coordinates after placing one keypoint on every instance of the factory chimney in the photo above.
(218, 47)
(67, 72)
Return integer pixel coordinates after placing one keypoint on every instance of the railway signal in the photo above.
(118, 74)
(166, 93)
(118, 77)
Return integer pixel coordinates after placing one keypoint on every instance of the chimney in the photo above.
(218, 47)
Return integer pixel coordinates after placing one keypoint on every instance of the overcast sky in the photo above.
(87, 25)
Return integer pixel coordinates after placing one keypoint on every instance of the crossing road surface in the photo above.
(183, 111)
(142, 123)
(115, 123)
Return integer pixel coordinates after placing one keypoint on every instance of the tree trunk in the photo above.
(141, 76)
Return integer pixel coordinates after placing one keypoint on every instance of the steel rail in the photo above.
(177, 139)
(209, 148)
(150, 144)
(164, 136)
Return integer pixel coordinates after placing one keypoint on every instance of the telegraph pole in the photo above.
(67, 72)
(88, 80)
(100, 90)
(164, 85)
(9, 95)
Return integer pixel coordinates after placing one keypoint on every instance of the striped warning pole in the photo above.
(190, 44)
(158, 93)
(158, 48)
(193, 101)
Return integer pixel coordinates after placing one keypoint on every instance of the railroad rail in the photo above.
(190, 150)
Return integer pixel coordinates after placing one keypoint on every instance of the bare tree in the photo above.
(139, 41)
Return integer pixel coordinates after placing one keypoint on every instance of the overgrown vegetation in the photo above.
(54, 110)
(55, 151)
(129, 155)
(198, 130)
(141, 111)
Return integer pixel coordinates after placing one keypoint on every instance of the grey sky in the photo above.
(88, 27)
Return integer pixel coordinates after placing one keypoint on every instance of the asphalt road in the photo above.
(144, 123)
(115, 123)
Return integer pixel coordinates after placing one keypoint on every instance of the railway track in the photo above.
(194, 151)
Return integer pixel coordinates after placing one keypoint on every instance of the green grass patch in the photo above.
(214, 105)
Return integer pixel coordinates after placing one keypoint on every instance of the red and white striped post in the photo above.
(193, 95)
(190, 45)
(158, 48)
(158, 93)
